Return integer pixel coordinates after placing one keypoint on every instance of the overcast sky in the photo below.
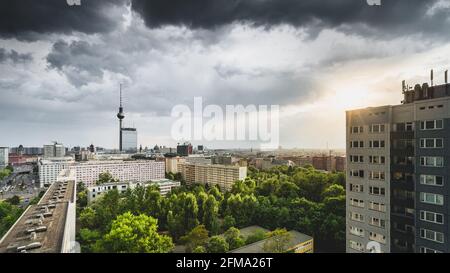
(60, 66)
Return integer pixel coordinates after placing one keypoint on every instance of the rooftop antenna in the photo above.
(432, 77)
(446, 76)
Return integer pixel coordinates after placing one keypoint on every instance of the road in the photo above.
(20, 183)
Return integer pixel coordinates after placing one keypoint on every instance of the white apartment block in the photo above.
(50, 169)
(88, 172)
(134, 171)
(165, 186)
(222, 175)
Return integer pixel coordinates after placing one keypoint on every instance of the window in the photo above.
(432, 217)
(428, 250)
(376, 175)
(377, 222)
(376, 128)
(356, 188)
(431, 180)
(356, 245)
(431, 143)
(356, 158)
(377, 191)
(432, 198)
(432, 235)
(377, 159)
(432, 161)
(431, 124)
(377, 237)
(357, 202)
(356, 216)
(377, 207)
(356, 130)
(357, 231)
(376, 144)
(357, 173)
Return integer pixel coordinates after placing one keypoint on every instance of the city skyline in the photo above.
(60, 77)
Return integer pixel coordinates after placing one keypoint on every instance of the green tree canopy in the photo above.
(136, 234)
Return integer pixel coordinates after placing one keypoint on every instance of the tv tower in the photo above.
(120, 116)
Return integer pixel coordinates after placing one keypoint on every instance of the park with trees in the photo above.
(205, 219)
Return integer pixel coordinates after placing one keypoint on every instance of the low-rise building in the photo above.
(208, 174)
(298, 243)
(165, 186)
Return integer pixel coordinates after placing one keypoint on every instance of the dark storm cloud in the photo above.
(393, 16)
(24, 19)
(14, 56)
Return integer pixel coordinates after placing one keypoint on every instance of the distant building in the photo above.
(129, 140)
(207, 174)
(165, 186)
(299, 242)
(4, 157)
(329, 163)
(26, 150)
(54, 150)
(17, 159)
(222, 160)
(198, 159)
(172, 163)
(184, 149)
(300, 161)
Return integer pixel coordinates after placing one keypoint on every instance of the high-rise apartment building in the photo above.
(220, 175)
(4, 157)
(398, 171)
(54, 150)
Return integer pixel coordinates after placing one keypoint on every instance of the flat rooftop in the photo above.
(41, 227)
(258, 247)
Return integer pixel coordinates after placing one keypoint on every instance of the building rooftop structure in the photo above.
(299, 243)
(49, 226)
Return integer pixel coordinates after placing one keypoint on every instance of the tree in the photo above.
(199, 249)
(8, 215)
(196, 237)
(228, 222)
(278, 242)
(136, 234)
(210, 214)
(234, 238)
(88, 240)
(15, 200)
(217, 244)
(105, 177)
(88, 218)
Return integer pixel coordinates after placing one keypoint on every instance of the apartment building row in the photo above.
(398, 164)
(223, 176)
(88, 172)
